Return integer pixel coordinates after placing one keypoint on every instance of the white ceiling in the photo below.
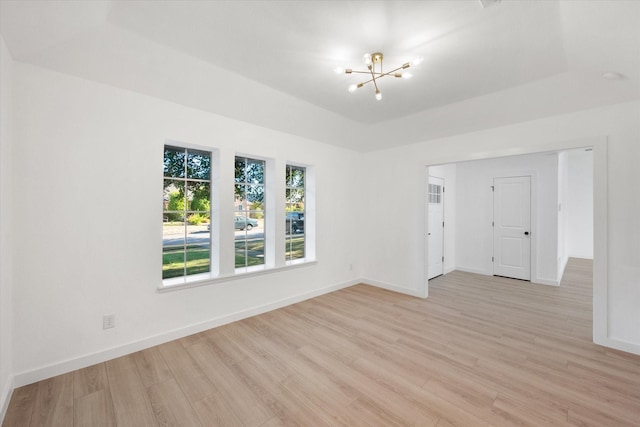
(483, 67)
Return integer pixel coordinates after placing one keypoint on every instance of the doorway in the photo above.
(435, 227)
(512, 227)
(472, 245)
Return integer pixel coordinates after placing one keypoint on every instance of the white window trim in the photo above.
(309, 215)
(197, 280)
(309, 226)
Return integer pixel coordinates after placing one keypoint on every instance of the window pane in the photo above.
(249, 197)
(241, 259)
(295, 248)
(198, 258)
(240, 170)
(249, 251)
(199, 196)
(289, 226)
(198, 165)
(295, 195)
(295, 222)
(173, 234)
(173, 200)
(198, 233)
(295, 177)
(172, 262)
(255, 171)
(241, 197)
(255, 251)
(240, 222)
(255, 196)
(174, 162)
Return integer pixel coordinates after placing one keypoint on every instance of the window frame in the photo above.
(289, 235)
(247, 212)
(186, 210)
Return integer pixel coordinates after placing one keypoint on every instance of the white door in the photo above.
(435, 226)
(512, 227)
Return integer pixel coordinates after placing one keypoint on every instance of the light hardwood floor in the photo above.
(479, 351)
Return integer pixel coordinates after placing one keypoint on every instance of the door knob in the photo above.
(526, 233)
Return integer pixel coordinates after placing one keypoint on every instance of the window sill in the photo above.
(197, 280)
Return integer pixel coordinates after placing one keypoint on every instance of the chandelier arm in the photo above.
(373, 79)
(378, 75)
(361, 72)
(377, 78)
(364, 83)
(388, 73)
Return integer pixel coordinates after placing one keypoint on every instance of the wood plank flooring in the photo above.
(479, 351)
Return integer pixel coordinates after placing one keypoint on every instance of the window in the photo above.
(295, 213)
(186, 237)
(197, 238)
(435, 194)
(249, 212)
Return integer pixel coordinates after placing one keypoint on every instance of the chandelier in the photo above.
(373, 61)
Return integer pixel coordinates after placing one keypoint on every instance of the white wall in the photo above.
(474, 236)
(579, 206)
(88, 159)
(6, 239)
(395, 253)
(448, 173)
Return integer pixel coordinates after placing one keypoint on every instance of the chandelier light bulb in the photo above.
(353, 88)
(339, 70)
(366, 58)
(416, 61)
(378, 95)
(407, 75)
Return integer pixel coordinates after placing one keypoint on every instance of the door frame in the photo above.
(427, 225)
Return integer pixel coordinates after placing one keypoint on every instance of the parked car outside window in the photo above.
(295, 222)
(242, 222)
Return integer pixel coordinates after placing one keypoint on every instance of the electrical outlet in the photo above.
(108, 321)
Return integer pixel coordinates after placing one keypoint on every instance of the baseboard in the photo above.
(449, 270)
(394, 288)
(619, 344)
(6, 398)
(562, 266)
(73, 364)
(536, 280)
(547, 282)
(581, 256)
(474, 270)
